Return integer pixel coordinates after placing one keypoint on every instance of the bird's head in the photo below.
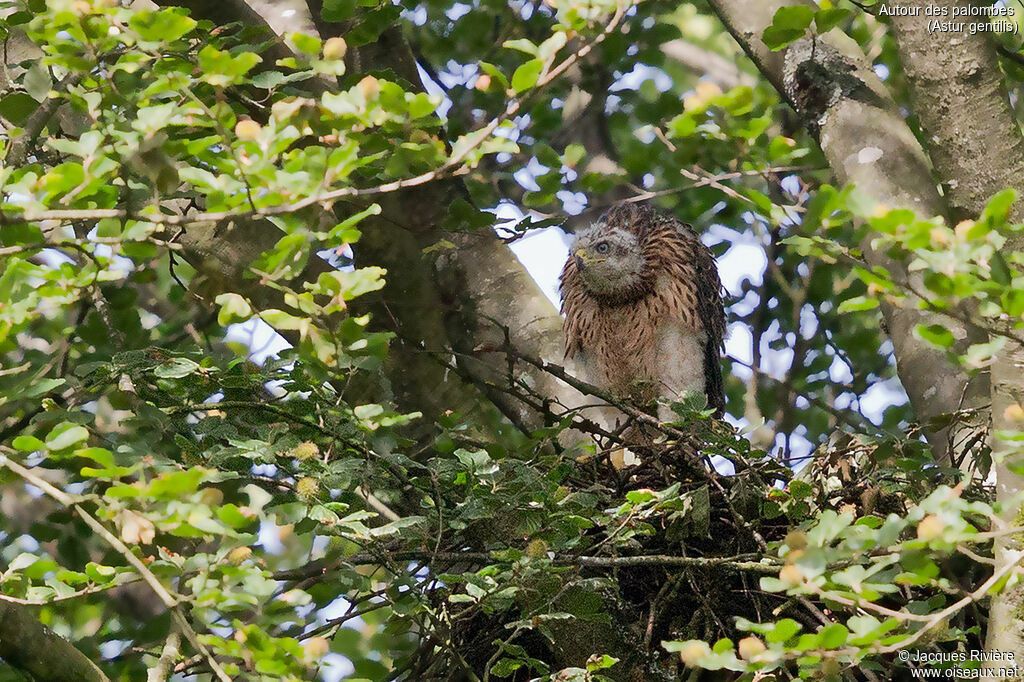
(610, 261)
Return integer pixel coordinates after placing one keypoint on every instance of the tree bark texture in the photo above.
(963, 105)
(977, 149)
(868, 144)
(28, 645)
(1006, 615)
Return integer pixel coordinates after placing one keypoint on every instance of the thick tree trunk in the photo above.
(963, 105)
(28, 645)
(435, 304)
(867, 143)
(975, 143)
(1005, 622)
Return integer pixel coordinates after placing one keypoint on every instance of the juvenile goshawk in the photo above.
(643, 308)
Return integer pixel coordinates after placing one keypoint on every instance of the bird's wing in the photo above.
(573, 302)
(699, 274)
(710, 308)
(711, 311)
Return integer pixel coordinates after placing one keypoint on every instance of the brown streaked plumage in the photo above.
(643, 307)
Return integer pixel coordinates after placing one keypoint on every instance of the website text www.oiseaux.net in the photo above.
(999, 673)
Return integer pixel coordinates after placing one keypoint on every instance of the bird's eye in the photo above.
(602, 247)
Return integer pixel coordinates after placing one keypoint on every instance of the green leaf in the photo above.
(505, 667)
(99, 455)
(833, 637)
(495, 73)
(17, 107)
(220, 68)
(173, 484)
(1000, 270)
(150, 119)
(338, 10)
(936, 334)
(176, 368)
(231, 515)
(573, 154)
(358, 282)
(1012, 302)
(28, 443)
(980, 355)
(66, 435)
(827, 19)
(800, 490)
(110, 473)
(788, 25)
(523, 45)
(99, 573)
(602, 662)
(162, 26)
(305, 43)
(120, 490)
(830, 524)
(395, 526)
(268, 80)
(18, 18)
(857, 304)
(233, 309)
(278, 319)
(37, 81)
(422, 105)
(783, 630)
(288, 257)
(477, 461)
(368, 411)
(345, 232)
(527, 75)
(640, 496)
(63, 178)
(22, 561)
(999, 206)
(795, 17)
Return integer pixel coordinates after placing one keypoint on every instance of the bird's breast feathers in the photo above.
(642, 350)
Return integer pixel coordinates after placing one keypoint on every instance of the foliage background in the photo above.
(404, 493)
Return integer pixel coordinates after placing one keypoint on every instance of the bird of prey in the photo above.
(642, 300)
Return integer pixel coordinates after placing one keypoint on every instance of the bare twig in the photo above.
(939, 617)
(164, 666)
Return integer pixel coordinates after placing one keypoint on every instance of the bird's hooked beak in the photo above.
(584, 259)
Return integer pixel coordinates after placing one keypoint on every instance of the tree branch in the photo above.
(436, 299)
(868, 144)
(720, 70)
(670, 561)
(164, 666)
